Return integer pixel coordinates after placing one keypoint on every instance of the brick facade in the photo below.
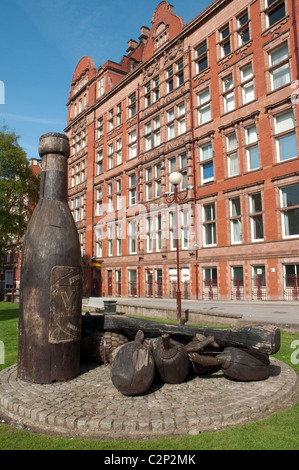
(215, 99)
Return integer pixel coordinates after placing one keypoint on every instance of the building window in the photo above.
(286, 145)
(132, 145)
(259, 283)
(148, 136)
(132, 190)
(247, 84)
(118, 238)
(99, 162)
(110, 197)
(172, 230)
(99, 202)
(185, 221)
(180, 73)
(170, 79)
(77, 208)
(149, 234)
(243, 28)
(149, 183)
(204, 106)
(133, 282)
(110, 156)
(81, 241)
(207, 164)
(210, 283)
(276, 12)
(73, 146)
(252, 151)
(132, 105)
(170, 125)
(99, 242)
(181, 119)
(209, 224)
(110, 239)
(147, 96)
(289, 200)
(158, 227)
(152, 134)
(183, 170)
(110, 120)
(119, 114)
(232, 154)
(225, 41)
(228, 93)
(101, 87)
(133, 236)
(78, 173)
(279, 67)
(119, 152)
(237, 283)
(291, 281)
(118, 195)
(100, 127)
(201, 57)
(235, 220)
(158, 181)
(256, 217)
(156, 90)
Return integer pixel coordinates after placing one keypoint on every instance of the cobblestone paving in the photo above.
(90, 406)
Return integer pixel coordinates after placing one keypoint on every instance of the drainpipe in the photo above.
(194, 168)
(294, 24)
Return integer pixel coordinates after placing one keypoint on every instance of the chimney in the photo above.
(131, 45)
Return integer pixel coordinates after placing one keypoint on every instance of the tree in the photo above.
(19, 192)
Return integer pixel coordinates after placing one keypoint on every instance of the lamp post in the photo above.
(175, 179)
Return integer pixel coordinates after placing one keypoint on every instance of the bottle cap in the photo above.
(54, 142)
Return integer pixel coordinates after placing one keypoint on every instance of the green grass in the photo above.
(9, 315)
(279, 432)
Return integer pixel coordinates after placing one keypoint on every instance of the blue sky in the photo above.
(42, 41)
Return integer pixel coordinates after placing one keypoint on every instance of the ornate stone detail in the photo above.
(78, 126)
(171, 54)
(149, 71)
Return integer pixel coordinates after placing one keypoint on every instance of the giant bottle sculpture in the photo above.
(51, 277)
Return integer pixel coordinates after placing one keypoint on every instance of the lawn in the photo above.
(279, 432)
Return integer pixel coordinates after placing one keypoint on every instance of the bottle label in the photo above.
(65, 304)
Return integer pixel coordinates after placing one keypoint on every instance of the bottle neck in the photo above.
(53, 183)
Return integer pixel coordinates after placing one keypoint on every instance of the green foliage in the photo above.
(19, 190)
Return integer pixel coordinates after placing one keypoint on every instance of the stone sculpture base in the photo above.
(90, 405)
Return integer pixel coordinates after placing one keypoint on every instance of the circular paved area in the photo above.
(90, 406)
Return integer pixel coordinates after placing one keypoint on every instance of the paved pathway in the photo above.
(284, 314)
(90, 406)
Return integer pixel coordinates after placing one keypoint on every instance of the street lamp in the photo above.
(175, 179)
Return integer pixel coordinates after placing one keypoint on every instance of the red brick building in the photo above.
(217, 100)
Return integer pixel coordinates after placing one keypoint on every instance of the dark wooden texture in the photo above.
(237, 363)
(244, 364)
(133, 367)
(171, 359)
(99, 345)
(51, 280)
(263, 338)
